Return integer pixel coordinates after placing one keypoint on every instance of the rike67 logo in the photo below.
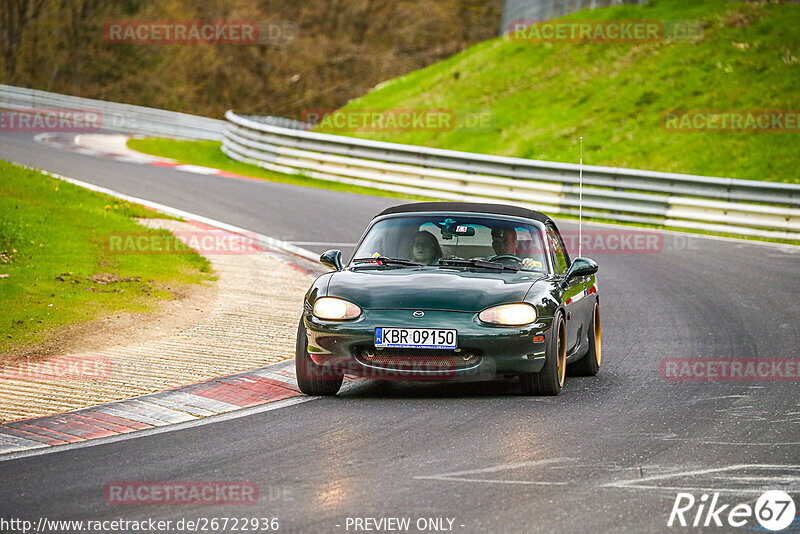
(774, 511)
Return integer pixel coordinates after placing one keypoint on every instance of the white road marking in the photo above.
(491, 481)
(704, 399)
(734, 443)
(641, 483)
(778, 479)
(709, 441)
(130, 159)
(459, 476)
(196, 169)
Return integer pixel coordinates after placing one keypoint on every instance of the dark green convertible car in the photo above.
(452, 291)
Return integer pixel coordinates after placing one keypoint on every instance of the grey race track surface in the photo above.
(608, 455)
(285, 212)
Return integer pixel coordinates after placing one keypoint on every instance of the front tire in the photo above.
(589, 365)
(313, 379)
(550, 380)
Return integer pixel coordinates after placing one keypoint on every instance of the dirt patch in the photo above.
(744, 16)
(110, 278)
(191, 304)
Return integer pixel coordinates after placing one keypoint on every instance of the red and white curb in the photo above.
(180, 405)
(112, 146)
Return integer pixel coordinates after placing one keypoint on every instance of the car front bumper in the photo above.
(483, 353)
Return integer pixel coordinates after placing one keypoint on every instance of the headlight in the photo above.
(509, 315)
(333, 309)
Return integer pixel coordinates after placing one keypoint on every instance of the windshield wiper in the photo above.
(483, 264)
(384, 260)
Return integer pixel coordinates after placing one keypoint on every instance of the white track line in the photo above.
(244, 412)
(461, 476)
(269, 241)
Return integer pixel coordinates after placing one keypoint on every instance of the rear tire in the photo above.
(589, 365)
(550, 380)
(313, 379)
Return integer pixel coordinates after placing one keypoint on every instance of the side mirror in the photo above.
(332, 258)
(580, 267)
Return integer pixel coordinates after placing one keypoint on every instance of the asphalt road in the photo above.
(608, 455)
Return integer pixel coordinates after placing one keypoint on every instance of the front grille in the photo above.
(418, 360)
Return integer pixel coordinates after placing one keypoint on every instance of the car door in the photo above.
(573, 289)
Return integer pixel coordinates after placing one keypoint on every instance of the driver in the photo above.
(504, 241)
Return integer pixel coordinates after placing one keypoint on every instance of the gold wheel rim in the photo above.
(562, 355)
(598, 335)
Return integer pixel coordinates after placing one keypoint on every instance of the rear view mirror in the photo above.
(466, 231)
(450, 228)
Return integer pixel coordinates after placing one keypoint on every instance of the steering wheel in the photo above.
(505, 257)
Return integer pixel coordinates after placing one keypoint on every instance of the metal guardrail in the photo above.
(292, 124)
(117, 117)
(515, 10)
(720, 205)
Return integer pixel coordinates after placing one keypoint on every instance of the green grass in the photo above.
(542, 97)
(208, 154)
(53, 238)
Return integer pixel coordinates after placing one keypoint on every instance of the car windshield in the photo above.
(434, 239)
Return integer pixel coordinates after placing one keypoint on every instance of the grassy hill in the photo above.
(542, 96)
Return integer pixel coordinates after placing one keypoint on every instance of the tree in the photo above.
(15, 15)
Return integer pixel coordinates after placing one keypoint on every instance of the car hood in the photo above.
(430, 289)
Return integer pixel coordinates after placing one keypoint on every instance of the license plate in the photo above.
(416, 338)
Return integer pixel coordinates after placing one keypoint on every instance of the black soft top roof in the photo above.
(471, 207)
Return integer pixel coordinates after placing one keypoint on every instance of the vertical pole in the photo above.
(580, 204)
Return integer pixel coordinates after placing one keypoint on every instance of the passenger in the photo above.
(426, 248)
